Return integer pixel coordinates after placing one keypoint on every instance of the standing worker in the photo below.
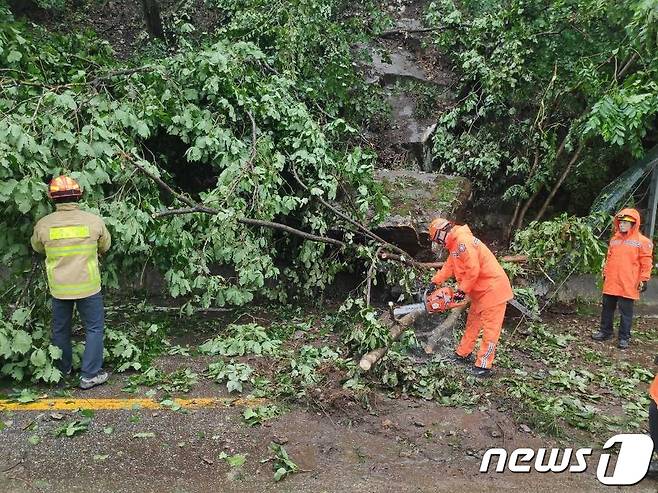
(625, 275)
(72, 240)
(480, 276)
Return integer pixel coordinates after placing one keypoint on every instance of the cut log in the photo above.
(398, 327)
(447, 325)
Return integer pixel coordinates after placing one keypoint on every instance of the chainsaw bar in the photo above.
(404, 309)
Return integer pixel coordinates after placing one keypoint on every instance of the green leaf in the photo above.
(22, 342)
(24, 396)
(21, 316)
(234, 385)
(34, 440)
(142, 130)
(38, 358)
(54, 352)
(236, 460)
(14, 56)
(280, 473)
(146, 434)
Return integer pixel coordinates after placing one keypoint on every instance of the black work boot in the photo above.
(480, 372)
(462, 360)
(623, 343)
(601, 336)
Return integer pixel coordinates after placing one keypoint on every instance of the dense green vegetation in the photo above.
(255, 119)
(557, 95)
(227, 119)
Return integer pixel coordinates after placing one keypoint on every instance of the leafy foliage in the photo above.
(312, 42)
(234, 374)
(225, 119)
(241, 340)
(565, 238)
(71, 113)
(537, 82)
(283, 465)
(362, 331)
(260, 414)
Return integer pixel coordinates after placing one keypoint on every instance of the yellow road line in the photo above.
(63, 404)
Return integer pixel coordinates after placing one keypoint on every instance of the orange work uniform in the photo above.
(653, 389)
(629, 259)
(481, 277)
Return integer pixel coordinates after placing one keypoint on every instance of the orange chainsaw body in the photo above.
(441, 300)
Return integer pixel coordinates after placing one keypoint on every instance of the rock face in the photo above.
(417, 198)
(415, 88)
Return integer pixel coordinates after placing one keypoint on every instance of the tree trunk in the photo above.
(447, 325)
(153, 18)
(517, 210)
(558, 184)
(531, 199)
(397, 328)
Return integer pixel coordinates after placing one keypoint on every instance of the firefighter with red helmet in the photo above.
(72, 240)
(483, 280)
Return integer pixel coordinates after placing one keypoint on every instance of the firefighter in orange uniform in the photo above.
(480, 276)
(626, 272)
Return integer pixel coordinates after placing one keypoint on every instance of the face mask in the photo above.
(436, 247)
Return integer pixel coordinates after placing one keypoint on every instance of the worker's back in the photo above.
(492, 285)
(71, 239)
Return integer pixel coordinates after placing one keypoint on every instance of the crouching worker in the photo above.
(480, 276)
(72, 240)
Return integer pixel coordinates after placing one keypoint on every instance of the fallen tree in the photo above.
(398, 327)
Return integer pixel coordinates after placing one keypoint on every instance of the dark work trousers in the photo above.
(653, 424)
(625, 315)
(93, 316)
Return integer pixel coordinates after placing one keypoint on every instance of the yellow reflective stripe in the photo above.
(53, 254)
(75, 288)
(67, 232)
(65, 251)
(50, 269)
(92, 269)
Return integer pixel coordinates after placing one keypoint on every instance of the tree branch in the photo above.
(116, 73)
(397, 32)
(558, 184)
(626, 66)
(518, 259)
(353, 222)
(253, 140)
(196, 207)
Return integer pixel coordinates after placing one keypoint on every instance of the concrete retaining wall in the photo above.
(584, 288)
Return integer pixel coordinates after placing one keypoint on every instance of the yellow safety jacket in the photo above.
(71, 240)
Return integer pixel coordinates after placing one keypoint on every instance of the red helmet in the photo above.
(63, 187)
(437, 226)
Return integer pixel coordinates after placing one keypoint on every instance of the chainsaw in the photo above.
(438, 301)
(443, 299)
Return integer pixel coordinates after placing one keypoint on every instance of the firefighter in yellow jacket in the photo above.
(72, 240)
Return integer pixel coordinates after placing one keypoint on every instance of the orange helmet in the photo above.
(63, 187)
(437, 226)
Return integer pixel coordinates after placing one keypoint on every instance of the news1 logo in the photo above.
(632, 460)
